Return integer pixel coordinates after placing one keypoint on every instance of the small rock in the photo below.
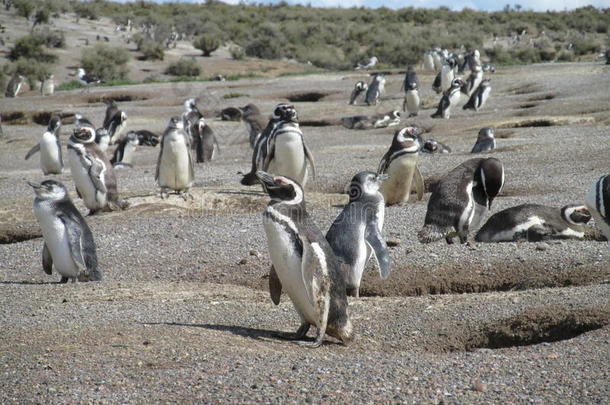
(479, 386)
(243, 261)
(254, 253)
(393, 242)
(541, 248)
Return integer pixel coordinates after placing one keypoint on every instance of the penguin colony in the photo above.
(318, 272)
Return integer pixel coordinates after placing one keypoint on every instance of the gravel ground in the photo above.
(183, 314)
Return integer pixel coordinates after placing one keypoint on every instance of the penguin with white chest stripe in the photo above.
(359, 88)
(375, 90)
(51, 161)
(304, 265)
(92, 172)
(206, 145)
(355, 235)
(114, 121)
(450, 98)
(461, 200)
(175, 167)
(400, 163)
(411, 88)
(68, 242)
(124, 153)
(534, 222)
(598, 202)
(478, 99)
(486, 141)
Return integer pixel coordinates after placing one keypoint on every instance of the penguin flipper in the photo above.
(380, 249)
(314, 266)
(47, 260)
(158, 168)
(309, 157)
(418, 183)
(275, 286)
(191, 165)
(74, 233)
(95, 173)
(35, 148)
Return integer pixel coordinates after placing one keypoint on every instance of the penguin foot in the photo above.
(313, 345)
(298, 335)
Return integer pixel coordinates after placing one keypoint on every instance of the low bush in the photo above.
(30, 47)
(237, 52)
(152, 51)
(207, 43)
(184, 67)
(105, 61)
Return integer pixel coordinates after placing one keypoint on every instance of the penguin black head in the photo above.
(360, 86)
(176, 123)
(54, 123)
(285, 112)
(457, 82)
(49, 190)
(491, 171)
(84, 134)
(406, 138)
(281, 188)
(430, 146)
(576, 214)
(486, 133)
(365, 184)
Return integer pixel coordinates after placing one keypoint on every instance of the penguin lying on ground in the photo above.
(433, 146)
(230, 114)
(384, 120)
(51, 161)
(598, 202)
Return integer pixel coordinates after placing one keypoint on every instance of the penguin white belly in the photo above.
(288, 266)
(49, 154)
(117, 133)
(484, 97)
(475, 84)
(91, 197)
(289, 159)
(413, 101)
(428, 62)
(56, 238)
(174, 170)
(446, 77)
(363, 255)
(104, 143)
(509, 234)
(128, 153)
(397, 188)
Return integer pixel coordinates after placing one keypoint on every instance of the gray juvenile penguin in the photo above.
(175, 167)
(68, 241)
(356, 233)
(254, 121)
(51, 161)
(304, 264)
(486, 141)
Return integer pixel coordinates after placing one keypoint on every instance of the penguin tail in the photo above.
(431, 233)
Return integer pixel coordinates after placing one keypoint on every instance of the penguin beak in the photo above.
(383, 177)
(35, 186)
(265, 178)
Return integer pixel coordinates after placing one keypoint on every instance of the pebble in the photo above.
(479, 386)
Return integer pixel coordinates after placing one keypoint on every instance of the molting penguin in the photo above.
(124, 153)
(146, 137)
(206, 145)
(356, 233)
(114, 121)
(304, 264)
(534, 222)
(175, 167)
(281, 148)
(68, 243)
(462, 199)
(51, 161)
(92, 172)
(486, 141)
(479, 97)
(598, 202)
(359, 88)
(254, 121)
(375, 90)
(450, 98)
(190, 117)
(400, 162)
(14, 86)
(411, 88)
(433, 146)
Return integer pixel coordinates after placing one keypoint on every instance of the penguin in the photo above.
(230, 114)
(450, 98)
(461, 200)
(86, 79)
(303, 264)
(359, 88)
(487, 67)
(355, 235)
(48, 85)
(473, 81)
(51, 161)
(254, 121)
(102, 139)
(447, 74)
(486, 141)
(433, 146)
(598, 202)
(190, 116)
(68, 242)
(14, 86)
(206, 145)
(79, 120)
(146, 137)
(437, 58)
(92, 172)
(389, 119)
(534, 222)
(428, 61)
(114, 121)
(411, 88)
(436, 83)
(281, 148)
(357, 122)
(400, 162)
(175, 167)
(375, 90)
(124, 153)
(479, 97)
(367, 64)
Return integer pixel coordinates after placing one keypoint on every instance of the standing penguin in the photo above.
(462, 199)
(51, 161)
(14, 85)
(473, 81)
(92, 172)
(254, 121)
(124, 153)
(304, 264)
(479, 97)
(534, 222)
(447, 74)
(356, 233)
(175, 167)
(450, 98)
(598, 202)
(400, 162)
(114, 121)
(375, 90)
(281, 148)
(206, 145)
(68, 242)
(411, 88)
(428, 61)
(190, 116)
(359, 88)
(48, 85)
(486, 141)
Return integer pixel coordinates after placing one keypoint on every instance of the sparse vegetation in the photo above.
(207, 43)
(30, 47)
(106, 62)
(184, 67)
(151, 51)
(237, 52)
(30, 68)
(234, 95)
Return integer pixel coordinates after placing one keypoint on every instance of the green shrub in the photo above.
(30, 47)
(183, 67)
(24, 8)
(33, 70)
(565, 56)
(207, 43)
(265, 48)
(106, 62)
(583, 46)
(41, 17)
(498, 54)
(237, 52)
(547, 54)
(51, 39)
(152, 51)
(86, 10)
